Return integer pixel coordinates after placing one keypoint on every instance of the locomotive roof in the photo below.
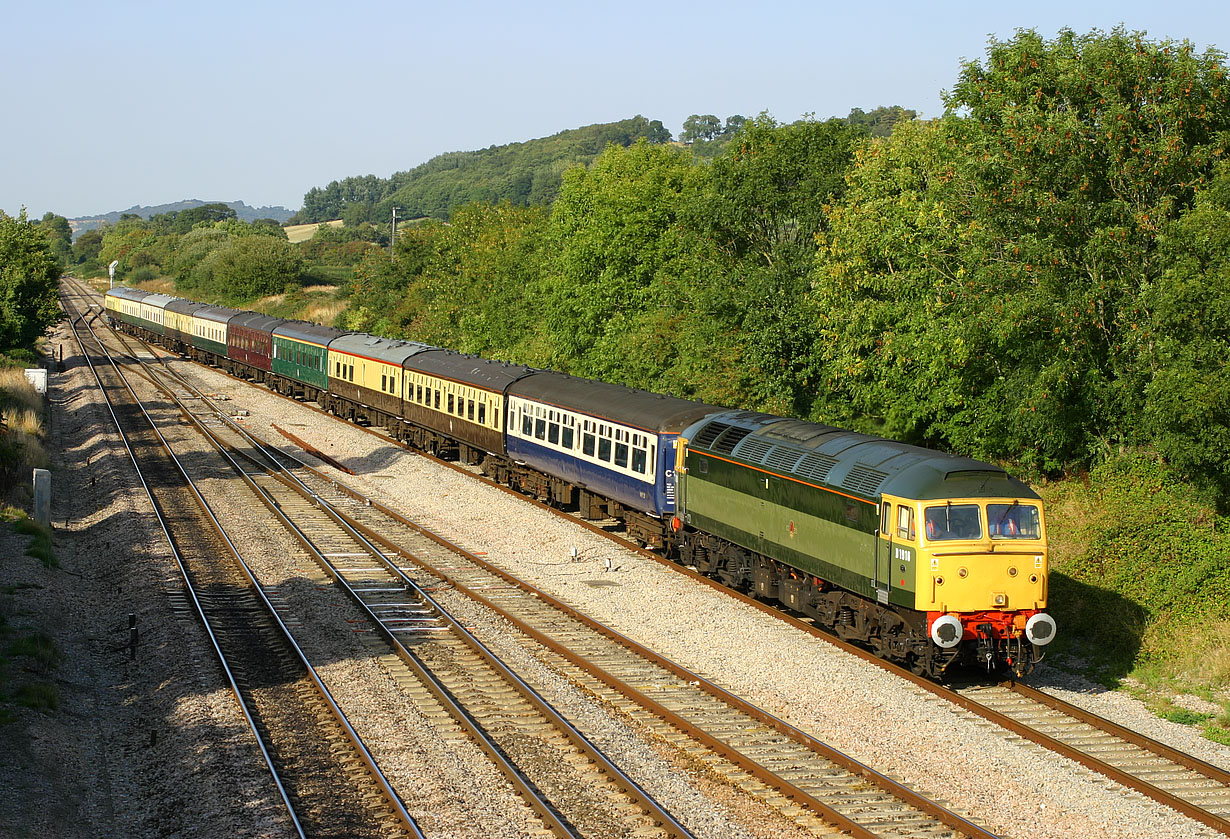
(312, 333)
(468, 369)
(616, 403)
(388, 350)
(255, 321)
(849, 461)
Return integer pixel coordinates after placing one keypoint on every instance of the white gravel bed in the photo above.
(1013, 787)
(151, 747)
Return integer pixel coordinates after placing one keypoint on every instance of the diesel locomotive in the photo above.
(930, 559)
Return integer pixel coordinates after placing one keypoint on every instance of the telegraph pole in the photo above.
(393, 235)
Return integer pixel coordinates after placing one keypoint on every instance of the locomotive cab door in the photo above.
(882, 567)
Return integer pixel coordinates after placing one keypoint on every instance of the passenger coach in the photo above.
(615, 445)
(454, 398)
(301, 358)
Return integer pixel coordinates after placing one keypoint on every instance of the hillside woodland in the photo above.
(1039, 277)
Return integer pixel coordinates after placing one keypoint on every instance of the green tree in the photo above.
(619, 245)
(29, 275)
(1186, 344)
(87, 247)
(246, 267)
(762, 207)
(60, 234)
(471, 283)
(700, 127)
(879, 122)
(983, 289)
(184, 220)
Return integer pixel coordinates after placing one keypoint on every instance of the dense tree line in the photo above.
(210, 253)
(1039, 275)
(525, 174)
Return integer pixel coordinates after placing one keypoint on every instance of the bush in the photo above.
(1140, 572)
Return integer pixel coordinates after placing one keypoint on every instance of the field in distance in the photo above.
(302, 232)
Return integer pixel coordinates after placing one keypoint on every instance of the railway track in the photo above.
(324, 774)
(1191, 786)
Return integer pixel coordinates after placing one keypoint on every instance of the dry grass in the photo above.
(162, 285)
(23, 406)
(23, 412)
(1203, 657)
(325, 312)
(302, 232)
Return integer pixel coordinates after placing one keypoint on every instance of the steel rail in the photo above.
(179, 561)
(538, 803)
(387, 791)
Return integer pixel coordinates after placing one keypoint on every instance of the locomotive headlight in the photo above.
(947, 631)
(1040, 629)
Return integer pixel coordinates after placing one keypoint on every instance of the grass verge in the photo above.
(1140, 588)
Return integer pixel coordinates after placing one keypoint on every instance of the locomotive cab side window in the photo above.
(905, 522)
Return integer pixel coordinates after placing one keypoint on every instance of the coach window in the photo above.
(470, 410)
(588, 442)
(436, 397)
(540, 428)
(567, 437)
(384, 382)
(450, 403)
(527, 425)
(604, 449)
(482, 413)
(638, 460)
(621, 454)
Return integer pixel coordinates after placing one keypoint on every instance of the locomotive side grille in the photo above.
(783, 458)
(864, 480)
(754, 450)
(708, 434)
(727, 442)
(817, 466)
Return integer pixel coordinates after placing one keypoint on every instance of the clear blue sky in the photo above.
(112, 104)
